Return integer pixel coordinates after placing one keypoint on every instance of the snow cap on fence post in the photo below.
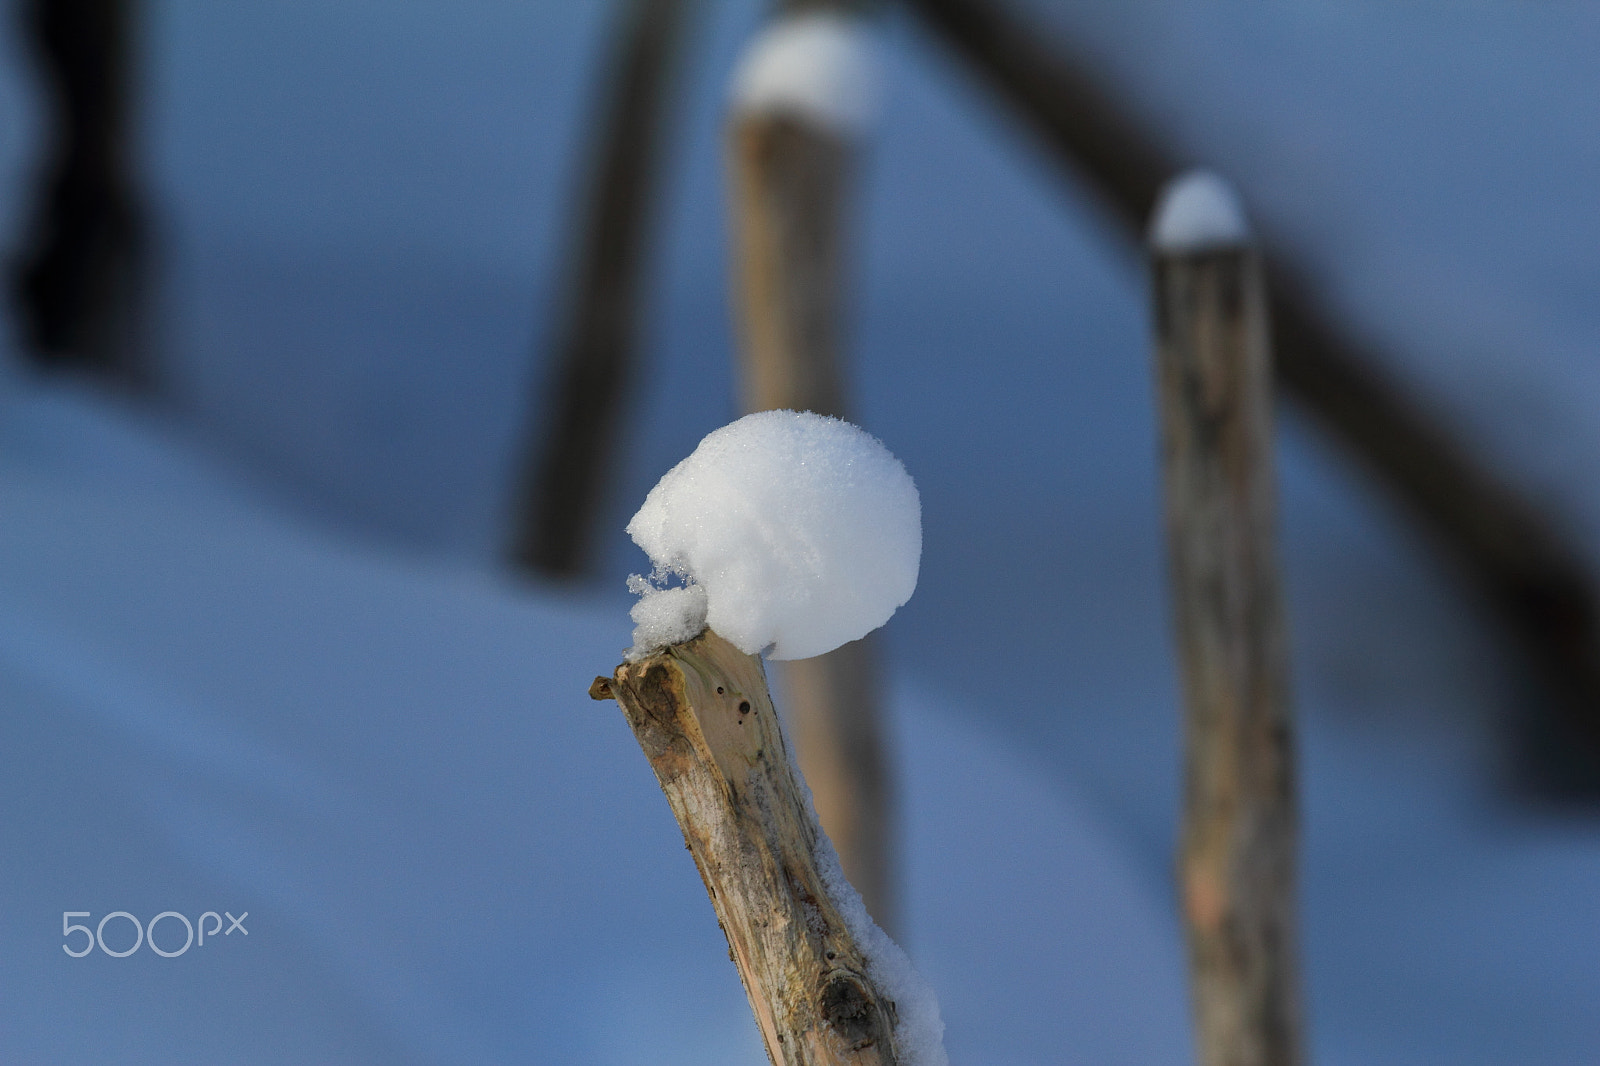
(1198, 212)
(818, 65)
(792, 533)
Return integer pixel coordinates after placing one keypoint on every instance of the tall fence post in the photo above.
(1237, 854)
(792, 155)
(1509, 544)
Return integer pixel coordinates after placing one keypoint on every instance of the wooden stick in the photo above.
(791, 180)
(1509, 547)
(1237, 856)
(564, 480)
(702, 714)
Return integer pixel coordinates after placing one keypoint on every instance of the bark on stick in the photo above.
(791, 178)
(702, 714)
(1237, 861)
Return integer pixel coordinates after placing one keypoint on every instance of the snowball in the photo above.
(1198, 211)
(794, 533)
(817, 64)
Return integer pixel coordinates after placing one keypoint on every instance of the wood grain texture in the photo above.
(791, 182)
(702, 713)
(1237, 855)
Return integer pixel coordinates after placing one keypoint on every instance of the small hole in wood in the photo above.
(744, 706)
(719, 690)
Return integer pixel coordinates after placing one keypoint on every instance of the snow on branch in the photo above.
(1198, 211)
(791, 533)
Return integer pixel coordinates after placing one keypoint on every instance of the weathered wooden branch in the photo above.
(702, 714)
(78, 287)
(564, 482)
(1237, 858)
(791, 179)
(1512, 550)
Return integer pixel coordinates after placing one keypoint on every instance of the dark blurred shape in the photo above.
(851, 7)
(77, 287)
(1512, 552)
(566, 474)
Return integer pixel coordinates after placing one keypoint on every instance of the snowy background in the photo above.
(256, 652)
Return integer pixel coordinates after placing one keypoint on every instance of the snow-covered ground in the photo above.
(253, 655)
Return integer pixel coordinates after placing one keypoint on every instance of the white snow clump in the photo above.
(792, 534)
(1197, 212)
(818, 65)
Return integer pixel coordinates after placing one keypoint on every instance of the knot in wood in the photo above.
(851, 1011)
(656, 705)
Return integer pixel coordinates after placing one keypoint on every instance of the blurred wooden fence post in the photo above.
(1237, 861)
(1509, 543)
(564, 476)
(790, 174)
(702, 713)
